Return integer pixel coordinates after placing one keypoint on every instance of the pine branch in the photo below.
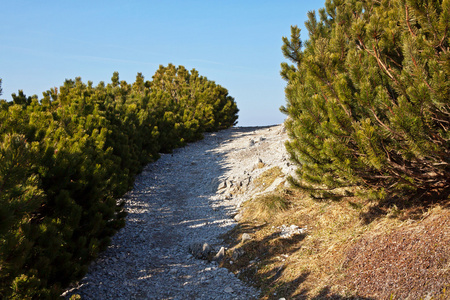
(384, 125)
(424, 80)
(407, 21)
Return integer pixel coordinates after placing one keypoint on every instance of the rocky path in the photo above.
(189, 196)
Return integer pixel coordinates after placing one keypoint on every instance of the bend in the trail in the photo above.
(182, 198)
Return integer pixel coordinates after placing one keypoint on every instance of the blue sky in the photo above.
(234, 43)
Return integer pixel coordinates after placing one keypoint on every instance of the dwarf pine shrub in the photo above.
(368, 99)
(66, 158)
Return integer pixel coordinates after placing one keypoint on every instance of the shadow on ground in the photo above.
(170, 206)
(272, 250)
(404, 208)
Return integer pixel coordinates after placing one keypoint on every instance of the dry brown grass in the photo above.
(268, 177)
(315, 265)
(408, 261)
(265, 206)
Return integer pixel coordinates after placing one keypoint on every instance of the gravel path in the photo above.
(185, 197)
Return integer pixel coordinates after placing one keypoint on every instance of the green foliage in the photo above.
(189, 104)
(368, 99)
(66, 158)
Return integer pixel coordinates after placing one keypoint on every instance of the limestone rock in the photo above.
(238, 217)
(220, 255)
(201, 250)
(277, 182)
(222, 185)
(246, 237)
(289, 231)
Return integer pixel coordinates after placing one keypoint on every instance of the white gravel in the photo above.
(189, 196)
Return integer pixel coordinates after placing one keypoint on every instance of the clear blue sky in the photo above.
(234, 43)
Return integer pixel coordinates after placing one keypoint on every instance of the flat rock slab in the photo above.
(177, 202)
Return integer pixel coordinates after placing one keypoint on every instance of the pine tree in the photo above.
(66, 158)
(368, 99)
(19, 196)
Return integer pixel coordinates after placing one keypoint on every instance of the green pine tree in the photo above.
(66, 158)
(368, 99)
(20, 195)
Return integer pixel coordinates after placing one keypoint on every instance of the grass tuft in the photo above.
(265, 206)
(268, 177)
(314, 265)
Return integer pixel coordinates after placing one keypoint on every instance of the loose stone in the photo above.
(246, 237)
(177, 201)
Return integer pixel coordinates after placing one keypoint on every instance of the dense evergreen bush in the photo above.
(368, 99)
(190, 104)
(65, 159)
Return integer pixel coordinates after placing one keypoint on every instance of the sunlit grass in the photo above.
(268, 177)
(306, 265)
(265, 206)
